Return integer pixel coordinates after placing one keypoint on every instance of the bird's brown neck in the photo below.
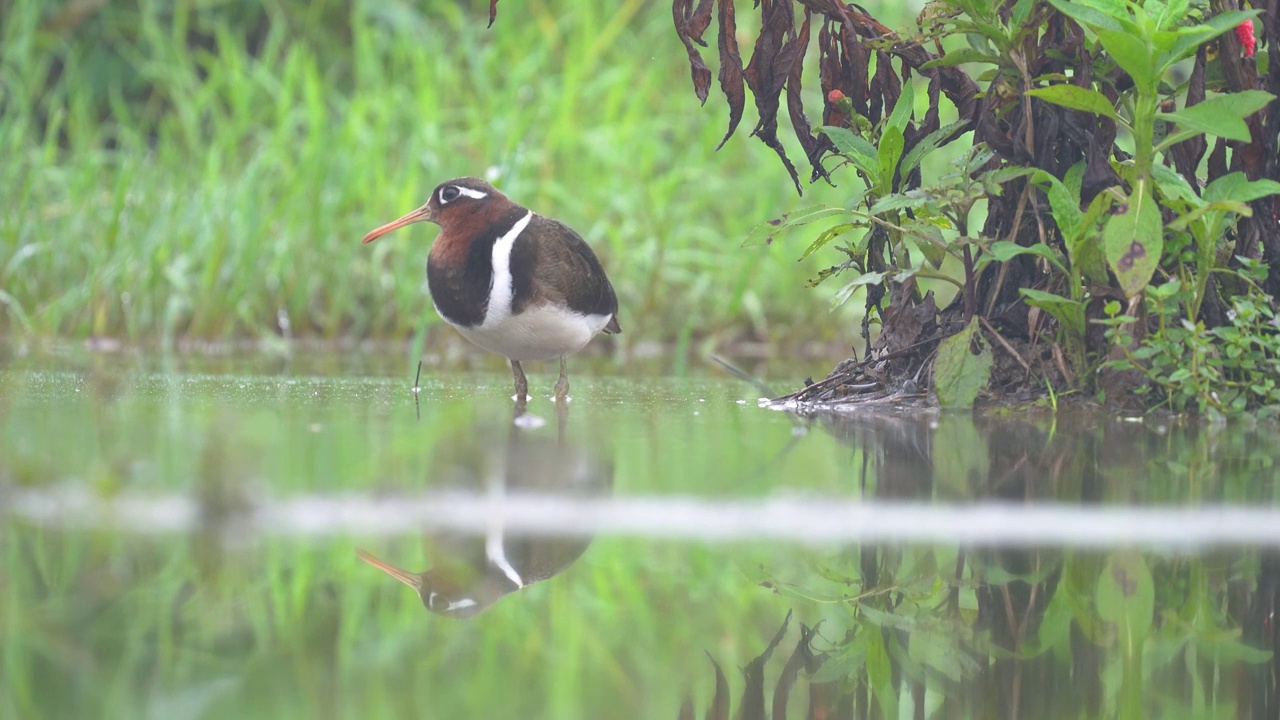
(484, 225)
(460, 265)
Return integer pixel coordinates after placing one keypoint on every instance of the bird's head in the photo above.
(452, 203)
(440, 592)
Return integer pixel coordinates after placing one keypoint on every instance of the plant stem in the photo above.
(970, 302)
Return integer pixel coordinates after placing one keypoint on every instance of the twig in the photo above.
(745, 376)
(1013, 233)
(1005, 344)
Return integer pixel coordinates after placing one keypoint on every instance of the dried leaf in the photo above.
(684, 18)
(730, 67)
(815, 146)
(776, 49)
(751, 707)
(699, 21)
(801, 658)
(719, 709)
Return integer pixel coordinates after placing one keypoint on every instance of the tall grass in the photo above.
(207, 169)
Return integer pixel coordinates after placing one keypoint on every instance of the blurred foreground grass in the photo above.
(206, 169)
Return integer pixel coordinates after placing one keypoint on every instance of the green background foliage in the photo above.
(207, 169)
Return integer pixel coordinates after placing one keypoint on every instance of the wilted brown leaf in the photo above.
(802, 658)
(752, 705)
(719, 709)
(730, 67)
(815, 146)
(690, 25)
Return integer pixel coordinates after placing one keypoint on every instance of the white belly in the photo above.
(539, 333)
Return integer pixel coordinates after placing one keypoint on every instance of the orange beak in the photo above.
(422, 213)
(404, 576)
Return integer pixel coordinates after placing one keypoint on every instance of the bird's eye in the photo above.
(449, 193)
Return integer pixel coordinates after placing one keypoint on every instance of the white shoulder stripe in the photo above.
(502, 285)
(496, 554)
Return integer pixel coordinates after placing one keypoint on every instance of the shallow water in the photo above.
(180, 540)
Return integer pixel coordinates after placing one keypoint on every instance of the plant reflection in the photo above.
(985, 632)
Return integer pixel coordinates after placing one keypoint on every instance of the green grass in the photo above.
(155, 192)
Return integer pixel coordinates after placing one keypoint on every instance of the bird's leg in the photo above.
(562, 420)
(522, 384)
(562, 385)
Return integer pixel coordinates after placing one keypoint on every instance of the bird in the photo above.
(472, 572)
(468, 584)
(516, 283)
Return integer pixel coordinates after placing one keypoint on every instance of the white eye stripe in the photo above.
(460, 192)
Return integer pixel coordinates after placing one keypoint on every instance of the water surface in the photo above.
(180, 540)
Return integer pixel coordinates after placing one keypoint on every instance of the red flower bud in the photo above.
(1244, 33)
(835, 96)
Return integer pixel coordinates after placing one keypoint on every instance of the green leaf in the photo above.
(891, 142)
(902, 110)
(855, 147)
(1133, 55)
(1174, 12)
(1234, 186)
(942, 654)
(1076, 98)
(884, 619)
(764, 233)
(843, 663)
(1126, 598)
(961, 56)
(1004, 251)
(993, 180)
(1217, 206)
(1228, 650)
(1222, 115)
(1134, 240)
(805, 215)
(1074, 179)
(928, 144)
(880, 671)
(1086, 250)
(1173, 185)
(1191, 38)
(1093, 14)
(928, 238)
(898, 201)
(827, 236)
(1021, 11)
(1064, 203)
(1069, 313)
(843, 294)
(959, 373)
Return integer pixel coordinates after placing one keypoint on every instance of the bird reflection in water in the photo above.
(471, 572)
